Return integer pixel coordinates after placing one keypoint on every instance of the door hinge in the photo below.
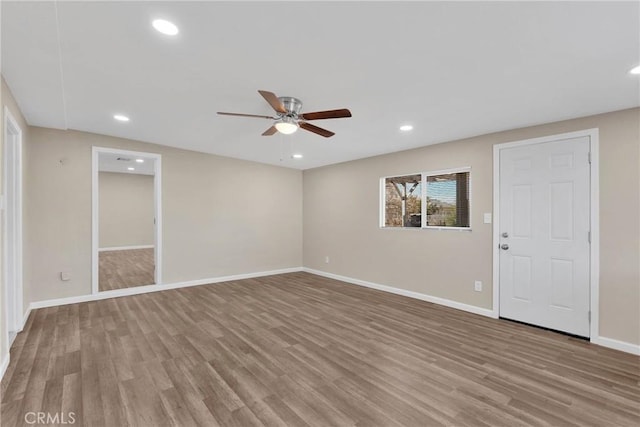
(589, 315)
(589, 157)
(589, 236)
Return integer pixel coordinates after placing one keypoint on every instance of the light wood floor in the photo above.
(125, 269)
(300, 350)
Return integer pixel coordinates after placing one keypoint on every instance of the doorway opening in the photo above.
(127, 228)
(12, 226)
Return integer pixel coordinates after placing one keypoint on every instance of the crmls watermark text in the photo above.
(44, 418)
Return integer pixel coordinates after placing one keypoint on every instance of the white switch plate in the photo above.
(477, 286)
(326, 259)
(487, 218)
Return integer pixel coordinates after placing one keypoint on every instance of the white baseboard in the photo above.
(25, 318)
(617, 345)
(125, 248)
(602, 341)
(155, 288)
(5, 365)
(424, 297)
(5, 361)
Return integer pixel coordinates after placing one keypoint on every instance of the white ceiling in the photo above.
(451, 69)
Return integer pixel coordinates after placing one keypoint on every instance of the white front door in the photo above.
(544, 234)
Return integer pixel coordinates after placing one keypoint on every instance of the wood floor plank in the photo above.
(301, 350)
(176, 409)
(125, 268)
(72, 397)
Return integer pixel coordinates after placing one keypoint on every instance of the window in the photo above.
(431, 199)
(448, 200)
(403, 201)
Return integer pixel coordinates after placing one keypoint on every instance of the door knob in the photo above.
(504, 246)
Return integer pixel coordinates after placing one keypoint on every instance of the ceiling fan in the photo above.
(289, 118)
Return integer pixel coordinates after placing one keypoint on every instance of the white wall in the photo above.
(126, 209)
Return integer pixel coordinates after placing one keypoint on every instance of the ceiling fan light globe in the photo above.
(286, 128)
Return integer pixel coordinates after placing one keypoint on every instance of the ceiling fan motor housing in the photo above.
(292, 105)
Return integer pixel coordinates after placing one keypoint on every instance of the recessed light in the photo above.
(635, 70)
(297, 156)
(131, 169)
(121, 118)
(139, 160)
(406, 128)
(165, 27)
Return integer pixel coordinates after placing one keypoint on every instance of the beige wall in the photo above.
(126, 209)
(9, 102)
(341, 218)
(221, 216)
(216, 224)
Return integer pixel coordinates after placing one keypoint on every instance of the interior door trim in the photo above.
(15, 318)
(594, 218)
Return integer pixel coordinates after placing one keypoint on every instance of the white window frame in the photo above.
(423, 195)
(383, 213)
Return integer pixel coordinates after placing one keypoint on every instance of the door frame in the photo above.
(594, 219)
(12, 137)
(95, 224)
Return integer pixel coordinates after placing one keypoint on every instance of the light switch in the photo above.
(487, 218)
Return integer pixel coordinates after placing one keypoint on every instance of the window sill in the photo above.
(428, 228)
(433, 227)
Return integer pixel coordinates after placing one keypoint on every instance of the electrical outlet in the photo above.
(477, 286)
(326, 259)
(65, 276)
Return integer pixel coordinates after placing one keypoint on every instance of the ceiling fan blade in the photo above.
(246, 115)
(329, 114)
(273, 100)
(316, 129)
(270, 131)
